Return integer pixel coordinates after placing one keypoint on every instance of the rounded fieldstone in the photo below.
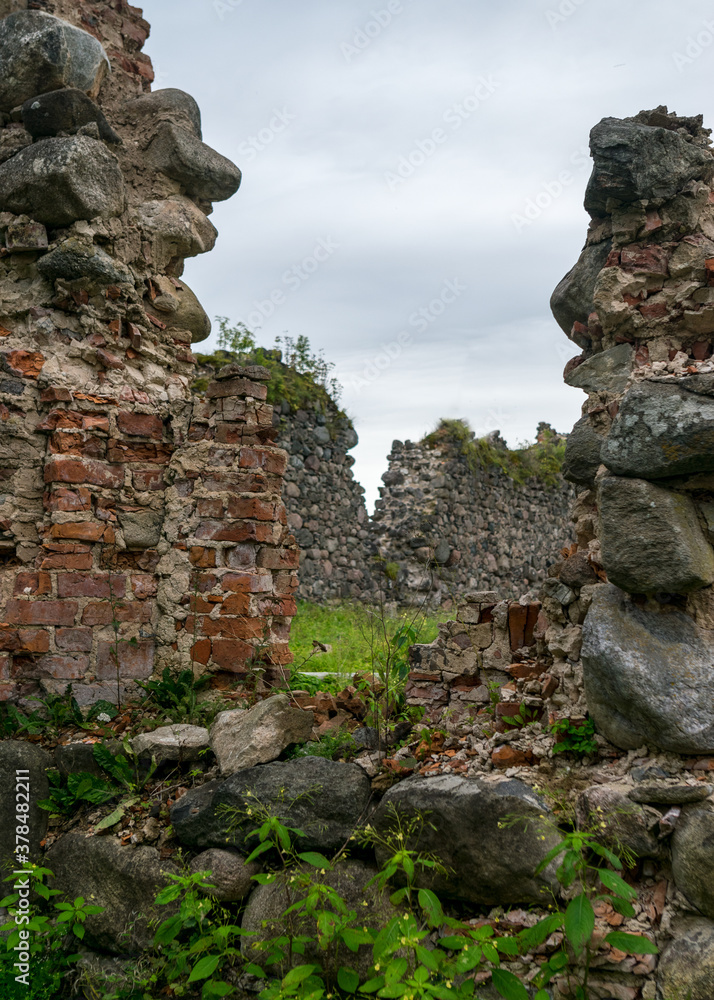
(230, 875)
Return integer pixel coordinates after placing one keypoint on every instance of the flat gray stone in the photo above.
(323, 798)
(58, 181)
(635, 162)
(73, 260)
(692, 856)
(686, 967)
(651, 539)
(572, 300)
(661, 430)
(242, 738)
(619, 819)
(40, 52)
(649, 678)
(658, 793)
(607, 371)
(141, 528)
(201, 171)
(180, 743)
(486, 863)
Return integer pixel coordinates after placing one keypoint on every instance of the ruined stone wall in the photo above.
(446, 529)
(121, 498)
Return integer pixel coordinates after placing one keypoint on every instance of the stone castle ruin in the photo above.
(122, 498)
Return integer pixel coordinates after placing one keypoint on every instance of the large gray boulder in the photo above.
(122, 880)
(175, 228)
(15, 755)
(201, 171)
(324, 799)
(692, 856)
(58, 181)
(661, 430)
(572, 300)
(40, 52)
(651, 539)
(582, 453)
(607, 371)
(241, 739)
(461, 821)
(168, 104)
(231, 877)
(634, 162)
(263, 917)
(649, 677)
(686, 968)
(73, 259)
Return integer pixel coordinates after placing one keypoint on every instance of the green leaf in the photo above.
(347, 979)
(115, 815)
(266, 845)
(168, 930)
(372, 985)
(204, 968)
(536, 935)
(616, 884)
(508, 985)
(214, 988)
(431, 905)
(298, 975)
(579, 921)
(634, 944)
(354, 938)
(605, 853)
(453, 943)
(621, 906)
(169, 894)
(508, 945)
(315, 859)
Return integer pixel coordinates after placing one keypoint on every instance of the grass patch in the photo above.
(542, 461)
(348, 628)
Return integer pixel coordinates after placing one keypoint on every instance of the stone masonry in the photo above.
(121, 497)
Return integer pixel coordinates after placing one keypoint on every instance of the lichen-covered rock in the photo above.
(243, 738)
(633, 161)
(60, 180)
(648, 676)
(323, 798)
(168, 104)
(686, 968)
(651, 539)
(175, 228)
(67, 111)
(607, 371)
(572, 300)
(662, 429)
(179, 309)
(40, 52)
(201, 171)
(122, 880)
(692, 858)
(179, 743)
(460, 820)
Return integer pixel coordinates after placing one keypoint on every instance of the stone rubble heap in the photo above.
(121, 498)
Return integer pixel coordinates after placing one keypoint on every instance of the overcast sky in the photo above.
(413, 177)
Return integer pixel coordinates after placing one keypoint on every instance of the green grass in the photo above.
(351, 631)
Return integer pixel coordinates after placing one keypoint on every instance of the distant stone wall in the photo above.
(326, 508)
(444, 530)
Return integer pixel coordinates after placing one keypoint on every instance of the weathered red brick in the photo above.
(517, 620)
(231, 654)
(252, 508)
(69, 668)
(236, 604)
(236, 531)
(148, 479)
(236, 387)
(68, 500)
(24, 640)
(140, 424)
(278, 559)
(26, 364)
(285, 607)
(102, 613)
(33, 583)
(269, 459)
(143, 585)
(210, 508)
(18, 612)
(71, 561)
(136, 661)
(90, 531)
(77, 443)
(120, 451)
(90, 585)
(505, 757)
(201, 651)
(55, 394)
(234, 628)
(74, 470)
(247, 583)
(74, 640)
(204, 558)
